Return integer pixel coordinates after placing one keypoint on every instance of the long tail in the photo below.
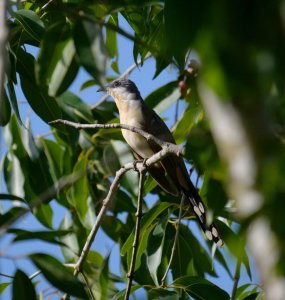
(199, 209)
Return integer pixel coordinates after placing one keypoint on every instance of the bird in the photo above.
(171, 172)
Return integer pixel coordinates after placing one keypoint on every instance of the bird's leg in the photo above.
(135, 162)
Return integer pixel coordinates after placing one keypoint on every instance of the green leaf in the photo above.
(104, 279)
(74, 107)
(88, 84)
(149, 185)
(111, 36)
(31, 23)
(11, 197)
(56, 66)
(153, 100)
(47, 236)
(78, 194)
(114, 228)
(71, 250)
(121, 294)
(90, 48)
(44, 214)
(242, 288)
(155, 246)
(200, 288)
(58, 275)
(42, 104)
(117, 155)
(124, 202)
(189, 257)
(252, 296)
(10, 216)
(191, 116)
(22, 287)
(3, 286)
(235, 243)
(5, 110)
(14, 177)
(13, 100)
(147, 220)
(58, 159)
(162, 294)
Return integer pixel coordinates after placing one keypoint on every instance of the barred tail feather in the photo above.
(211, 231)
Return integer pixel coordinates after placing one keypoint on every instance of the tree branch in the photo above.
(140, 167)
(136, 237)
(173, 148)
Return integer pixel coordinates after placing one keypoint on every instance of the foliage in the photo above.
(241, 47)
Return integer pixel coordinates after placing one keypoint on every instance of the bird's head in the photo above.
(123, 89)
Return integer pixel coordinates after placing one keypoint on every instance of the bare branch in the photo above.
(136, 237)
(173, 148)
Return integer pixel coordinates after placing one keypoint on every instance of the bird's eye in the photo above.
(117, 83)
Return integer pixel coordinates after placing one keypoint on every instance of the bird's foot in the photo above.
(139, 161)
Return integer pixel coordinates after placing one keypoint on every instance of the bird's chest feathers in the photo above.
(131, 114)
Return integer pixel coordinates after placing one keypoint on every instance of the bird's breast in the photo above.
(138, 143)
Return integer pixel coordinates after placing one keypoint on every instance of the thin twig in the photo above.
(37, 273)
(175, 241)
(172, 147)
(46, 5)
(176, 111)
(236, 279)
(136, 237)
(5, 275)
(125, 74)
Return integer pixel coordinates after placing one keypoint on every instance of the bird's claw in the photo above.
(142, 161)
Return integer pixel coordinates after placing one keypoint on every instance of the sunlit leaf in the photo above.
(3, 286)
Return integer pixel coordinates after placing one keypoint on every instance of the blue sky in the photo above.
(143, 77)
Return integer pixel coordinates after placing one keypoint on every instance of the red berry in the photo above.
(183, 87)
